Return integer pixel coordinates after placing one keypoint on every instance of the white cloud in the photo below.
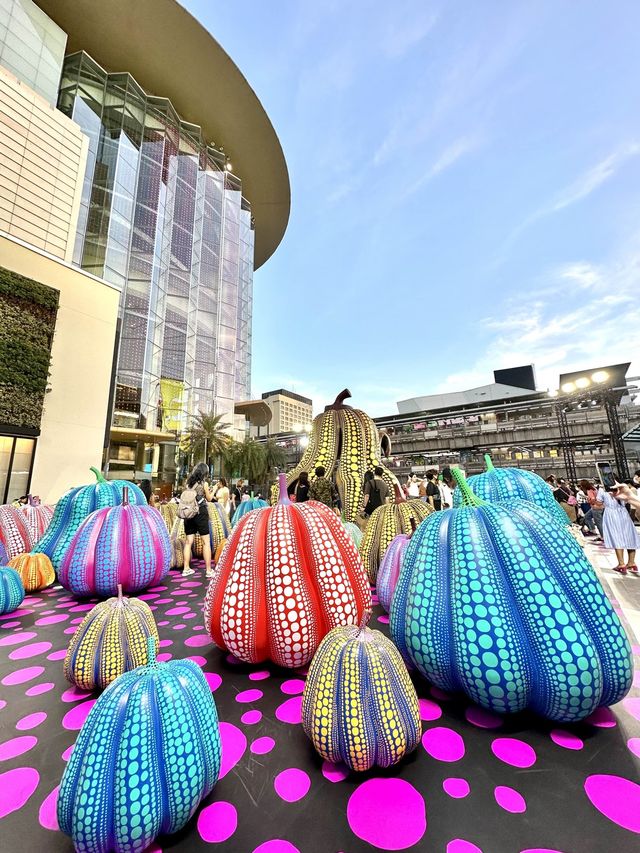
(402, 34)
(449, 156)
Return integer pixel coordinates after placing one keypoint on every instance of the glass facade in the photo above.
(163, 219)
(31, 46)
(16, 462)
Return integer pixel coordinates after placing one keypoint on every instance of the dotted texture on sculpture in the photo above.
(11, 590)
(38, 518)
(146, 756)
(359, 704)
(354, 532)
(35, 570)
(72, 509)
(500, 602)
(169, 513)
(219, 529)
(389, 571)
(287, 576)
(111, 639)
(14, 531)
(245, 507)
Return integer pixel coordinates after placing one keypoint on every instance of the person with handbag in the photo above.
(193, 509)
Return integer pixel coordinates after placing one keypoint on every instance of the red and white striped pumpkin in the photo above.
(38, 518)
(14, 531)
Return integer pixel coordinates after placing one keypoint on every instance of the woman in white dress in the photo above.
(222, 495)
(618, 529)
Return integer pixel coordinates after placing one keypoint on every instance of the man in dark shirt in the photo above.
(433, 492)
(376, 491)
(322, 489)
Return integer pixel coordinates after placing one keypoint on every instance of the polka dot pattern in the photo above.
(390, 569)
(385, 523)
(11, 590)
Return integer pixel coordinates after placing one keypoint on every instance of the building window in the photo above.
(16, 464)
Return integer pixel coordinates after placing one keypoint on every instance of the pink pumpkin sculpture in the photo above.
(14, 531)
(287, 576)
(38, 518)
(127, 544)
(390, 566)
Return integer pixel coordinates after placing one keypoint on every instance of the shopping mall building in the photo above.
(141, 183)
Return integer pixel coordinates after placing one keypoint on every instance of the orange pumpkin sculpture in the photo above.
(35, 570)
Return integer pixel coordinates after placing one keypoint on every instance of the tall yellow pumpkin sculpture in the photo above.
(346, 443)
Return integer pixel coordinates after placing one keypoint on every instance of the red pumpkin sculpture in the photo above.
(38, 518)
(287, 576)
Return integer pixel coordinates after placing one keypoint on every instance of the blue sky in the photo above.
(465, 190)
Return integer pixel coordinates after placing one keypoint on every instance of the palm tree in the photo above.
(245, 459)
(206, 439)
(274, 458)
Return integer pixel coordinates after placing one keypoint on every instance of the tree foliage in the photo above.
(206, 439)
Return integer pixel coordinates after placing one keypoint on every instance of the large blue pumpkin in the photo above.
(246, 506)
(75, 506)
(11, 590)
(503, 484)
(147, 754)
(500, 602)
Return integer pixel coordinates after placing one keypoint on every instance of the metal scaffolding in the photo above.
(565, 441)
(617, 443)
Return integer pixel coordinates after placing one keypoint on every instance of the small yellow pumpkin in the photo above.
(35, 570)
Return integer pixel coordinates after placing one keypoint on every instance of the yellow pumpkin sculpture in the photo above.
(35, 570)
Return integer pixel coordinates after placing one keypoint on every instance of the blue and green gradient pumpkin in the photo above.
(359, 704)
(504, 484)
(75, 506)
(498, 601)
(11, 590)
(147, 754)
(246, 506)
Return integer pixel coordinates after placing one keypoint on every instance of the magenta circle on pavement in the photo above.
(16, 639)
(16, 786)
(276, 845)
(2, 704)
(31, 721)
(290, 711)
(249, 696)
(176, 611)
(198, 640)
(74, 718)
(66, 755)
(37, 689)
(540, 850)
(21, 675)
(459, 845)
(630, 704)
(217, 822)
(198, 659)
(250, 718)
(388, 813)
(47, 815)
(213, 680)
(262, 745)
(618, 799)
(292, 687)
(74, 694)
(566, 739)
(51, 620)
(482, 718)
(163, 657)
(443, 744)
(165, 643)
(602, 718)
(634, 745)
(292, 785)
(234, 744)
(456, 788)
(30, 651)
(429, 710)
(383, 619)
(513, 751)
(260, 675)
(334, 772)
(16, 746)
(59, 655)
(509, 799)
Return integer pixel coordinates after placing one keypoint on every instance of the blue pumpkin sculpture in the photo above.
(75, 506)
(4, 556)
(11, 590)
(498, 601)
(246, 506)
(146, 756)
(504, 484)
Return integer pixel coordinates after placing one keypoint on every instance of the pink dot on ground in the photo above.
(11, 624)
(22, 675)
(217, 822)
(2, 704)
(456, 788)
(16, 786)
(74, 718)
(384, 619)
(602, 718)
(631, 704)
(198, 659)
(163, 624)
(481, 718)
(249, 696)
(290, 711)
(262, 745)
(176, 611)
(387, 813)
(29, 651)
(509, 800)
(334, 772)
(66, 755)
(179, 627)
(292, 686)
(260, 675)
(566, 739)
(16, 746)
(51, 620)
(250, 718)
(74, 694)
(234, 744)
(276, 845)
(148, 596)
(47, 816)
(634, 745)
(443, 744)
(37, 689)
(165, 643)
(292, 785)
(16, 639)
(31, 721)
(429, 710)
(459, 845)
(59, 655)
(164, 657)
(616, 798)
(233, 660)
(540, 850)
(213, 680)
(70, 630)
(513, 751)
(198, 640)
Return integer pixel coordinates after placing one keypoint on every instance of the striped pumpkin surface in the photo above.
(11, 590)
(35, 570)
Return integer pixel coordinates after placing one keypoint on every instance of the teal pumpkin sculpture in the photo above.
(147, 754)
(11, 590)
(354, 532)
(75, 506)
(498, 601)
(246, 506)
(504, 484)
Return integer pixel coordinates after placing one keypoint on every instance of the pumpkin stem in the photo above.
(151, 651)
(366, 615)
(283, 500)
(119, 592)
(412, 522)
(468, 497)
(400, 498)
(488, 462)
(338, 403)
(98, 474)
(125, 496)
(251, 495)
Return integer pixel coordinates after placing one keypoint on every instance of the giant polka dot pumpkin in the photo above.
(354, 532)
(359, 705)
(126, 544)
(500, 602)
(391, 565)
(38, 518)
(35, 570)
(287, 576)
(246, 506)
(14, 531)
(386, 522)
(111, 639)
(11, 590)
(169, 513)
(148, 753)
(219, 530)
